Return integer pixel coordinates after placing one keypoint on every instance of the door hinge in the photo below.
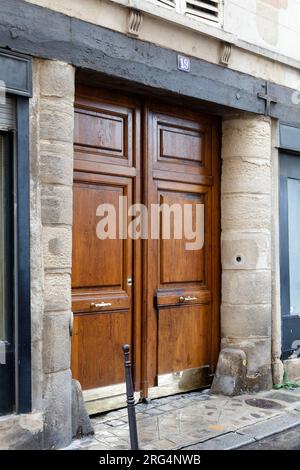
(129, 281)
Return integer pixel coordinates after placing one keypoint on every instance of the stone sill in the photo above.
(292, 367)
(21, 431)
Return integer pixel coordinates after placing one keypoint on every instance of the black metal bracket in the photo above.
(269, 99)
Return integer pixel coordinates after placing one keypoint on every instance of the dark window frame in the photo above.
(16, 72)
(22, 259)
(290, 323)
(7, 392)
(19, 350)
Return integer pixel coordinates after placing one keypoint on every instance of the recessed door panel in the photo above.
(99, 339)
(183, 342)
(181, 214)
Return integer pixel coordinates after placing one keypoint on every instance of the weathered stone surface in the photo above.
(56, 122)
(57, 295)
(246, 212)
(242, 251)
(56, 205)
(246, 175)
(271, 426)
(81, 423)
(292, 368)
(247, 137)
(57, 247)
(228, 441)
(230, 377)
(56, 163)
(56, 342)
(246, 287)
(58, 408)
(21, 432)
(246, 244)
(246, 320)
(51, 155)
(57, 79)
(258, 354)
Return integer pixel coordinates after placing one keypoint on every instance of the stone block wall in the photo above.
(246, 244)
(52, 121)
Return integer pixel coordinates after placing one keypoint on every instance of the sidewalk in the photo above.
(198, 421)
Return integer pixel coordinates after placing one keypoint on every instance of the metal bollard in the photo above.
(130, 399)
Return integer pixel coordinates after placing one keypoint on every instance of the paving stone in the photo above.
(145, 406)
(154, 412)
(121, 447)
(271, 426)
(98, 446)
(160, 401)
(179, 404)
(116, 422)
(146, 436)
(163, 444)
(228, 441)
(121, 432)
(197, 420)
(286, 397)
(87, 443)
(167, 407)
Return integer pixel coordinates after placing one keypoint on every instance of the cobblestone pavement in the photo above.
(197, 420)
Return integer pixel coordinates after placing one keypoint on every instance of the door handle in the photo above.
(101, 305)
(183, 299)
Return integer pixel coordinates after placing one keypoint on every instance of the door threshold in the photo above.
(103, 399)
(113, 397)
(180, 382)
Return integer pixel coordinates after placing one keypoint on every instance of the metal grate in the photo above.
(208, 9)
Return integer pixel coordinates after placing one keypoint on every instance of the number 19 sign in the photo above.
(183, 63)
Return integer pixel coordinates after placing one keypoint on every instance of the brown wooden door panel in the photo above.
(104, 128)
(101, 267)
(177, 264)
(107, 146)
(182, 338)
(181, 171)
(183, 145)
(97, 358)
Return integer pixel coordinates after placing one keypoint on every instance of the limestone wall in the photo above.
(51, 156)
(246, 244)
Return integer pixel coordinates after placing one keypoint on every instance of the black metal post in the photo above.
(130, 399)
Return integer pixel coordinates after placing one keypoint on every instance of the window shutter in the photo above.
(208, 9)
(7, 114)
(170, 3)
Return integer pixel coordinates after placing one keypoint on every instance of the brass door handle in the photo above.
(101, 305)
(187, 299)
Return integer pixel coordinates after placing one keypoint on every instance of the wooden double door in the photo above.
(152, 290)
